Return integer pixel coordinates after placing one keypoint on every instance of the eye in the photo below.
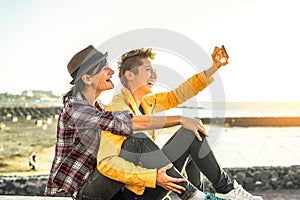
(150, 70)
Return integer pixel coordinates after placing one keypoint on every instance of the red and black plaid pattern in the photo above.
(78, 138)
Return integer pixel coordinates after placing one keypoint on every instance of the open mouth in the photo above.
(151, 82)
(109, 80)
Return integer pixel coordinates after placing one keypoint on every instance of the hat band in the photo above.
(73, 75)
(89, 64)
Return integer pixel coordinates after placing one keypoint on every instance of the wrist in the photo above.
(215, 66)
(181, 120)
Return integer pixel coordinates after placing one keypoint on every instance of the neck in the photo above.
(91, 95)
(137, 98)
(137, 95)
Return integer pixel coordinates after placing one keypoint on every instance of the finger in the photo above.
(197, 134)
(184, 174)
(176, 191)
(176, 180)
(224, 55)
(203, 131)
(170, 189)
(165, 168)
(169, 166)
(200, 121)
(221, 52)
(176, 187)
(216, 49)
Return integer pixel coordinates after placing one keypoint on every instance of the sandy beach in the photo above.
(19, 140)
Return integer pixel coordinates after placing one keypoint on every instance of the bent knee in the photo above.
(137, 137)
(141, 135)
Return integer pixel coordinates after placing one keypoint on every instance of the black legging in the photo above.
(194, 174)
(139, 149)
(184, 144)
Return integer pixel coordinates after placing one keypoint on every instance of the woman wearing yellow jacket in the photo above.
(126, 160)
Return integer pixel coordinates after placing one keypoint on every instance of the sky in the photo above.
(38, 38)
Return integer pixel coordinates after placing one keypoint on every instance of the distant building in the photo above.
(40, 94)
(27, 93)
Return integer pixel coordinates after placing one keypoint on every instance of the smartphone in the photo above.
(225, 51)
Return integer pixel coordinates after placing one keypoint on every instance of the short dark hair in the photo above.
(131, 60)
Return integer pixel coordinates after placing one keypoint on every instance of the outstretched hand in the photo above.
(167, 182)
(220, 57)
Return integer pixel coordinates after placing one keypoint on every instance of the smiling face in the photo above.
(145, 78)
(102, 80)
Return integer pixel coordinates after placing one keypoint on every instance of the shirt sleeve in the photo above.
(87, 117)
(186, 90)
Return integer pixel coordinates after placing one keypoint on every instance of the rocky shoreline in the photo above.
(264, 178)
(252, 179)
(28, 113)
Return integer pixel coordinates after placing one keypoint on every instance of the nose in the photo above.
(110, 71)
(153, 74)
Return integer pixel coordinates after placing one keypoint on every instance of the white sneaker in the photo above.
(238, 193)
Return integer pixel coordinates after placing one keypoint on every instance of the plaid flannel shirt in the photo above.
(78, 138)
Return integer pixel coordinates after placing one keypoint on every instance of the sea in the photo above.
(238, 109)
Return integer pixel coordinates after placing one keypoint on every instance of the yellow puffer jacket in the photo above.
(137, 178)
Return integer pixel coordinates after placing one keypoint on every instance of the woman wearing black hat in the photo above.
(82, 119)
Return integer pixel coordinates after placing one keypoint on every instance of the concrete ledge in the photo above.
(2, 197)
(251, 178)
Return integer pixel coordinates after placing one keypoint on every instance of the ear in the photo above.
(86, 79)
(129, 75)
